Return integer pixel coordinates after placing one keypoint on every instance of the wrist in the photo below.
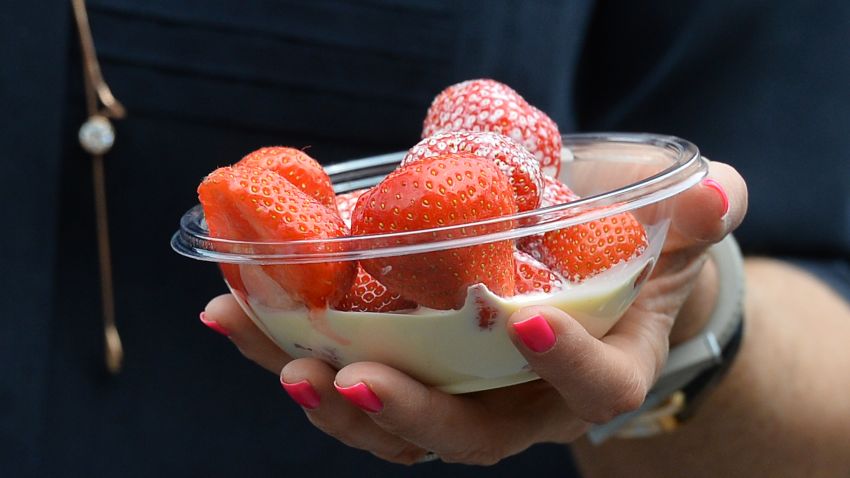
(775, 413)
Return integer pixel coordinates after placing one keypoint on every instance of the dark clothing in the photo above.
(761, 85)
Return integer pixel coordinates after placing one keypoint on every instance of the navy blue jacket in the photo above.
(762, 85)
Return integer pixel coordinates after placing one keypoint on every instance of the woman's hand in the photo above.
(585, 380)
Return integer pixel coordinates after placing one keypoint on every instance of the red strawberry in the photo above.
(521, 168)
(582, 251)
(555, 192)
(297, 167)
(487, 105)
(345, 204)
(369, 295)
(533, 276)
(446, 190)
(251, 204)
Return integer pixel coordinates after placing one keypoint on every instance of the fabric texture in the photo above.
(205, 82)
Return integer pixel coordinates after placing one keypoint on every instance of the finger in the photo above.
(710, 210)
(458, 428)
(598, 379)
(230, 320)
(695, 307)
(310, 383)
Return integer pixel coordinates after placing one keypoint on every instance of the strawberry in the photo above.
(369, 295)
(532, 276)
(297, 167)
(584, 250)
(487, 105)
(345, 204)
(251, 204)
(446, 190)
(521, 168)
(555, 192)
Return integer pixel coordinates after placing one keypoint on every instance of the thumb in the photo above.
(709, 211)
(597, 380)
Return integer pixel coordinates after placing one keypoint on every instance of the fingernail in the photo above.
(303, 393)
(361, 395)
(214, 325)
(535, 333)
(722, 192)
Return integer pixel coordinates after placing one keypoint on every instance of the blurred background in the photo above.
(762, 85)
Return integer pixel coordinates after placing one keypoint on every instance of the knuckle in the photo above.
(397, 427)
(628, 400)
(414, 423)
(406, 455)
(249, 353)
(598, 416)
(631, 399)
(474, 456)
(337, 426)
(270, 363)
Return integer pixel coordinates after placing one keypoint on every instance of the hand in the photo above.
(585, 380)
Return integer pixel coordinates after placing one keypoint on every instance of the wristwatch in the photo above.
(695, 366)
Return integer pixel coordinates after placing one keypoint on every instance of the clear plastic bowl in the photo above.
(468, 349)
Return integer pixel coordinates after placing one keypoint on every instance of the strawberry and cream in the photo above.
(437, 315)
(460, 350)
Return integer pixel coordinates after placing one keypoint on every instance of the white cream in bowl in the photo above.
(457, 351)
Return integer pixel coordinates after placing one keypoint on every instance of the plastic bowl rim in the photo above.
(687, 170)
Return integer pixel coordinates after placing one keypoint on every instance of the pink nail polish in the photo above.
(722, 192)
(303, 393)
(214, 325)
(535, 333)
(361, 395)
